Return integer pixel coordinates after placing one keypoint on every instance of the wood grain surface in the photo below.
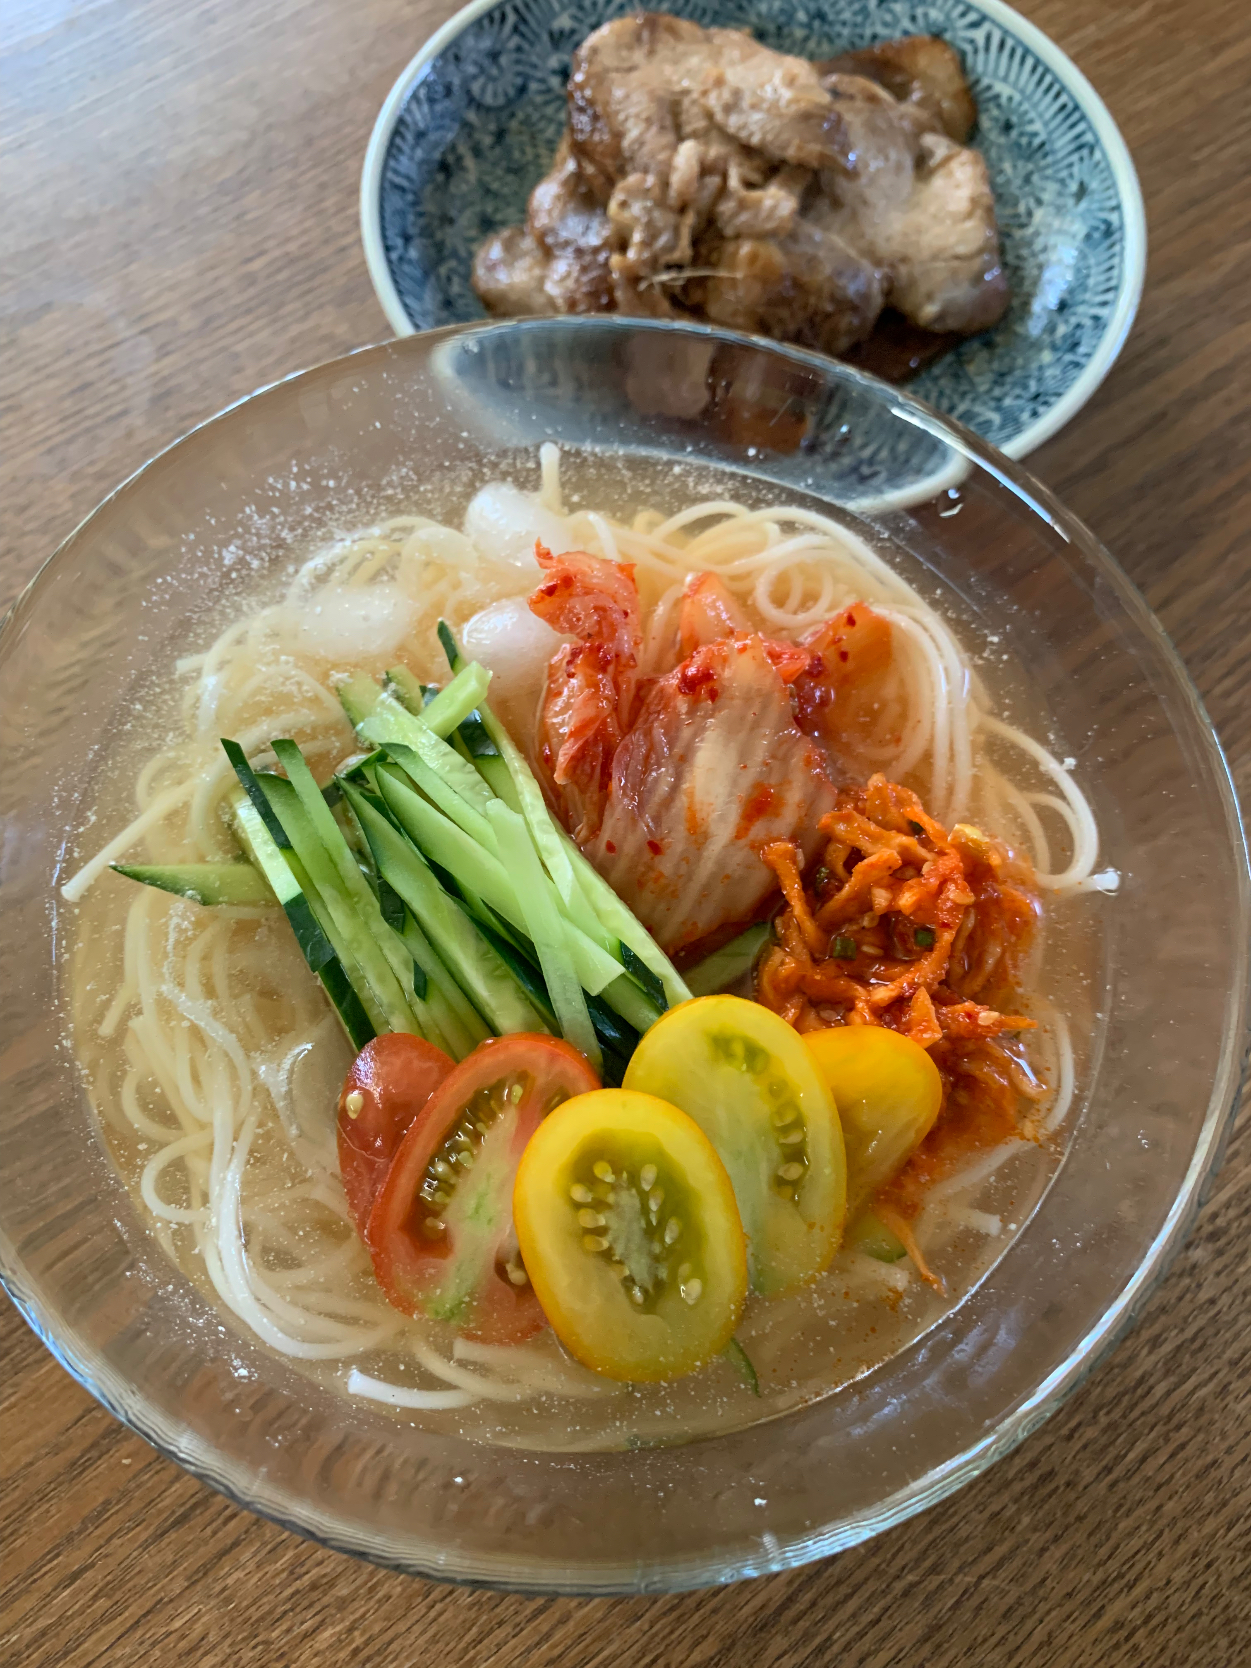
(179, 225)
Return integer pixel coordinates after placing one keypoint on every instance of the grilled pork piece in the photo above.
(918, 70)
(703, 175)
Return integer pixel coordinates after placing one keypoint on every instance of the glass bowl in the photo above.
(1164, 1002)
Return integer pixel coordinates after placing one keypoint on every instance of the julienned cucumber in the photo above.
(442, 842)
(384, 958)
(315, 946)
(439, 894)
(741, 1362)
(869, 1234)
(371, 707)
(204, 883)
(550, 933)
(728, 964)
(483, 975)
(306, 909)
(449, 1007)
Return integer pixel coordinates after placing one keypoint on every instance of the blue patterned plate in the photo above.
(471, 125)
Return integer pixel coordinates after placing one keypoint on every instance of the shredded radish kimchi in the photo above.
(900, 923)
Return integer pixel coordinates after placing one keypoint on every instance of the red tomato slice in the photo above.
(441, 1231)
(391, 1079)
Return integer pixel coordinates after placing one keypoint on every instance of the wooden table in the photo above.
(180, 226)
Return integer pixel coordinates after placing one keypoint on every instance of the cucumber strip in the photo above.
(452, 1011)
(430, 759)
(443, 790)
(739, 1359)
(611, 1029)
(357, 920)
(644, 978)
(586, 894)
(252, 787)
(306, 910)
(617, 1040)
(527, 798)
(525, 972)
(366, 702)
(331, 836)
(494, 771)
(486, 978)
(455, 701)
(381, 1016)
(626, 999)
(441, 842)
(624, 925)
(492, 918)
(729, 963)
(393, 913)
(383, 916)
(203, 883)
(472, 735)
(405, 732)
(408, 690)
(314, 945)
(869, 1234)
(548, 930)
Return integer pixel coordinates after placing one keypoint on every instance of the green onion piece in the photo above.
(917, 828)
(845, 949)
(925, 938)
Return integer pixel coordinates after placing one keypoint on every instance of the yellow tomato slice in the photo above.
(750, 1084)
(887, 1091)
(628, 1230)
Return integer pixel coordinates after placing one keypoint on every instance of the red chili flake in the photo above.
(610, 848)
(693, 678)
(851, 618)
(759, 803)
(843, 656)
(654, 847)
